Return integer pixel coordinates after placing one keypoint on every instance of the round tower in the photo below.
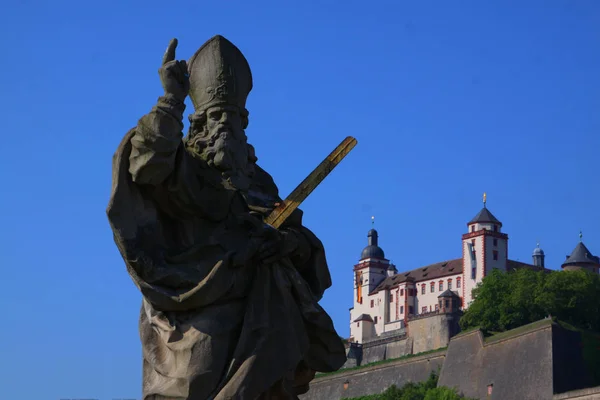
(581, 258)
(538, 257)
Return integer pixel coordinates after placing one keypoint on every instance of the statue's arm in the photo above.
(157, 136)
(156, 141)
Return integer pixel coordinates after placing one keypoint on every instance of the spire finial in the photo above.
(538, 244)
(373, 221)
(580, 236)
(484, 198)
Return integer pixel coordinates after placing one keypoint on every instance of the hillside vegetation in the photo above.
(416, 391)
(507, 301)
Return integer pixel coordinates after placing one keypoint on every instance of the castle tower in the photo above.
(538, 257)
(485, 247)
(372, 264)
(581, 258)
(370, 271)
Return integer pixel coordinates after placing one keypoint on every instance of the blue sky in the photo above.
(447, 100)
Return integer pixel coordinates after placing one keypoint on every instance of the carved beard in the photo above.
(220, 149)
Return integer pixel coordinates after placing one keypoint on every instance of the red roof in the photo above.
(433, 271)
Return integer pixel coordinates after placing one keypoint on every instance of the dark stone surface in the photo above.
(375, 379)
(569, 369)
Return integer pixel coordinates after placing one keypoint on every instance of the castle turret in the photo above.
(581, 258)
(538, 257)
(371, 270)
(485, 247)
(391, 270)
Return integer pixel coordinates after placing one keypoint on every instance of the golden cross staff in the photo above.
(293, 201)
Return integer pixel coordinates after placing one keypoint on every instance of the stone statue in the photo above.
(230, 305)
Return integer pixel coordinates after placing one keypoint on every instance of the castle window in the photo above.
(472, 228)
(458, 283)
(432, 287)
(411, 310)
(401, 309)
(495, 228)
(391, 298)
(423, 289)
(375, 320)
(437, 307)
(495, 242)
(495, 255)
(447, 303)
(449, 284)
(423, 310)
(358, 324)
(372, 303)
(402, 292)
(441, 286)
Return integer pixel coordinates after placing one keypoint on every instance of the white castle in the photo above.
(385, 300)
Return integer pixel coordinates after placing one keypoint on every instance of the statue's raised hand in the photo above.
(174, 74)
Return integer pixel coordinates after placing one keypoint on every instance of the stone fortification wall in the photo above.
(393, 347)
(432, 331)
(514, 365)
(535, 361)
(379, 349)
(374, 379)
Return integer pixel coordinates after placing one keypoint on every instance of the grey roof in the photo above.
(364, 317)
(448, 293)
(372, 250)
(485, 216)
(441, 269)
(538, 252)
(581, 255)
(512, 265)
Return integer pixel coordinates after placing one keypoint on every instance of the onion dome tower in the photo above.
(372, 267)
(372, 250)
(538, 257)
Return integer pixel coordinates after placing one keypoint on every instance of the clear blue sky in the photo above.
(447, 99)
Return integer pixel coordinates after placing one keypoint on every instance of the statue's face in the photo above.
(221, 140)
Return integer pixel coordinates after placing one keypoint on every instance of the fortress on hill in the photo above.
(391, 305)
(404, 325)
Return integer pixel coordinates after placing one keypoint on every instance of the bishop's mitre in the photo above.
(219, 75)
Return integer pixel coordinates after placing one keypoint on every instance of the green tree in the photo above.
(442, 393)
(505, 301)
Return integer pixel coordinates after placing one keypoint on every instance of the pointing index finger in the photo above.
(170, 53)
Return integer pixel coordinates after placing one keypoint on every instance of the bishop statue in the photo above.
(230, 304)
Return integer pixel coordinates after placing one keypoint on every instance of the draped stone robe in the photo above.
(214, 323)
